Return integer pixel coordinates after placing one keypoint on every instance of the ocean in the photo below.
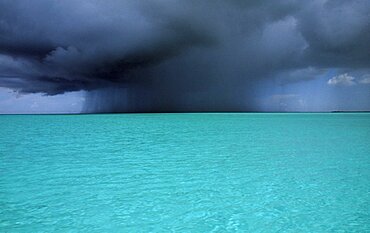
(222, 172)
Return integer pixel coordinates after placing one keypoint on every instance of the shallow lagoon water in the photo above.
(185, 173)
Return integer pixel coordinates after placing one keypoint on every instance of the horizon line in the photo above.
(190, 112)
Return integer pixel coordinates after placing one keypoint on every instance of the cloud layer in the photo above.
(172, 55)
(342, 80)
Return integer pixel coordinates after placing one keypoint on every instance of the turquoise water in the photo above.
(185, 173)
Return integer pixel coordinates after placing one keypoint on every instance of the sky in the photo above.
(184, 56)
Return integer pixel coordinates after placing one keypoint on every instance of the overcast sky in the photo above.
(176, 55)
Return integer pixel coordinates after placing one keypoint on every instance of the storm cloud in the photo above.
(176, 55)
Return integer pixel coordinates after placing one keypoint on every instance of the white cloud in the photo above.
(342, 80)
(365, 79)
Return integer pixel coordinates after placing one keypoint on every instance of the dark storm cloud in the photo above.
(172, 55)
(338, 33)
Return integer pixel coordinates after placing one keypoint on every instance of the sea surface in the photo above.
(185, 173)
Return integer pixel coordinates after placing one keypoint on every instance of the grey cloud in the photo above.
(337, 32)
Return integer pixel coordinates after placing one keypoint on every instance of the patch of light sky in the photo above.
(318, 94)
(14, 103)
